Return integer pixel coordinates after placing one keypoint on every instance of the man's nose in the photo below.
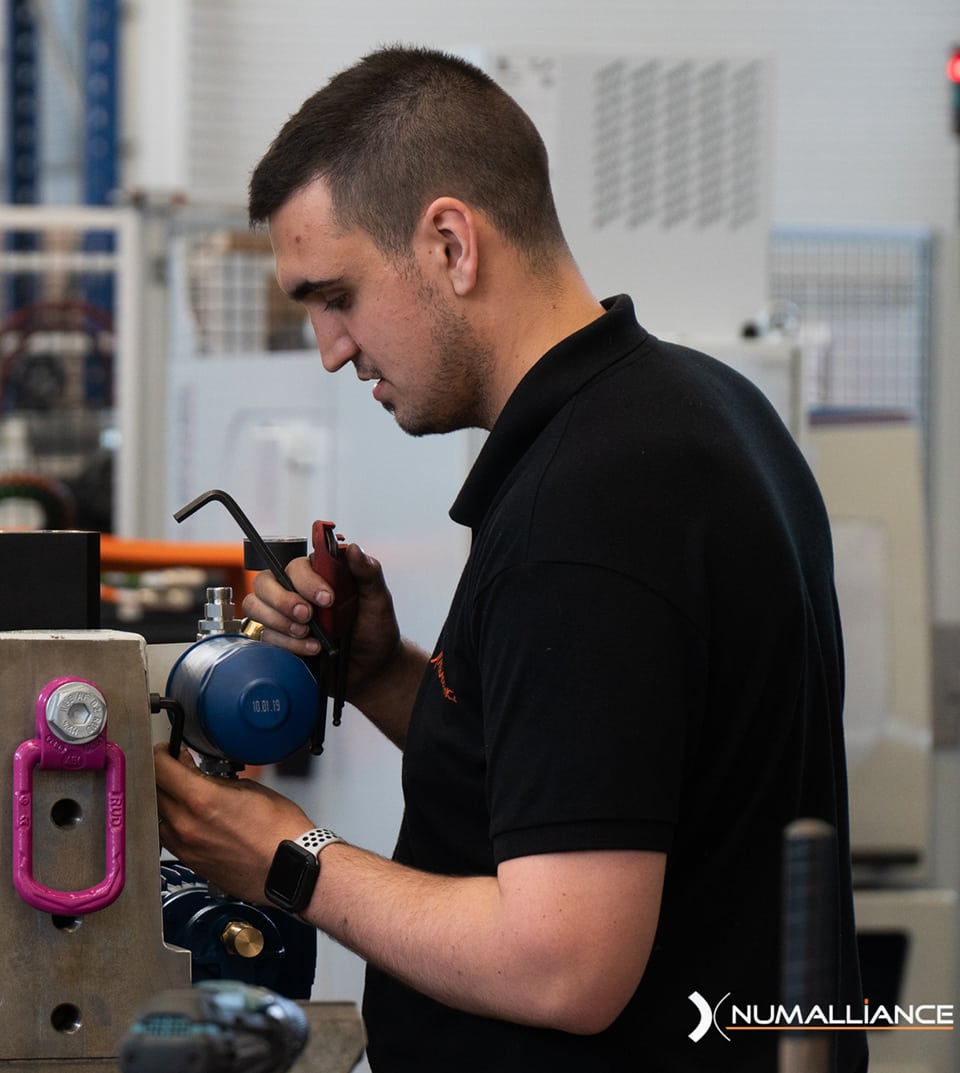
(337, 347)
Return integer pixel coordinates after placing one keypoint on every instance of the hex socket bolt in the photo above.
(76, 712)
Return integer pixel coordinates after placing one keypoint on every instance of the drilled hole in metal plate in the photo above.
(66, 1019)
(66, 812)
(65, 923)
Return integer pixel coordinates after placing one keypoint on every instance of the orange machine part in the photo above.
(119, 553)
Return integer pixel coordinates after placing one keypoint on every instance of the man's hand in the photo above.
(384, 670)
(285, 614)
(226, 830)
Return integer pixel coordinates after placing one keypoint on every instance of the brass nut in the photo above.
(242, 939)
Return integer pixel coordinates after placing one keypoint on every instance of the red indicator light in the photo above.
(953, 68)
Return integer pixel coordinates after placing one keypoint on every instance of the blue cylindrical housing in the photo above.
(243, 700)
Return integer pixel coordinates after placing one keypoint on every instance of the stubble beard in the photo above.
(458, 396)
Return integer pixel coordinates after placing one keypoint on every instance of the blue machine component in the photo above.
(198, 919)
(243, 701)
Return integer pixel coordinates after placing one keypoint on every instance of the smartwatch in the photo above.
(296, 868)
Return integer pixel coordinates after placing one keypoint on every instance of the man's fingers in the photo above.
(170, 770)
(278, 630)
(283, 614)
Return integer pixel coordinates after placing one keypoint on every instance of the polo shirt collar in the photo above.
(543, 391)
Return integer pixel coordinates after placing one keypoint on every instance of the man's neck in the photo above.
(532, 324)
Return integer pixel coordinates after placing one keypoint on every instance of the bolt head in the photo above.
(76, 712)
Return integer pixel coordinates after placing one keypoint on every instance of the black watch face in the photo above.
(292, 877)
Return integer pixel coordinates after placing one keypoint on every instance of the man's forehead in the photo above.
(307, 243)
(308, 211)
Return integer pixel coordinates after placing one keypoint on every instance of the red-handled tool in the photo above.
(337, 620)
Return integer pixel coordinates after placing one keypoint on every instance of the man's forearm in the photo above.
(413, 925)
(558, 941)
(554, 939)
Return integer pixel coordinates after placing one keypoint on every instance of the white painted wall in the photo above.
(863, 133)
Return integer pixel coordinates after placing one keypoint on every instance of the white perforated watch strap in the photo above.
(317, 838)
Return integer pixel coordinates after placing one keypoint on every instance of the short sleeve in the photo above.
(593, 687)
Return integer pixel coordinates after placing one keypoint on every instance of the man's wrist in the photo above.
(295, 869)
(387, 697)
(368, 686)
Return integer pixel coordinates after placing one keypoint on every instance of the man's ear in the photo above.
(449, 229)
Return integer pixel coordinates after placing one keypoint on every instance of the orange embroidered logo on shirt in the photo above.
(448, 693)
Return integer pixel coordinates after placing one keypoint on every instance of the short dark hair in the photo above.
(401, 127)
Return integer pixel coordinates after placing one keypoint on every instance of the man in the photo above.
(639, 683)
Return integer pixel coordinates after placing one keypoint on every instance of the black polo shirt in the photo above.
(643, 652)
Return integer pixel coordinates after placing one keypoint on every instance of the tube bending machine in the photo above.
(115, 958)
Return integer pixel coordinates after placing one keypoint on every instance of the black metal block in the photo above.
(49, 579)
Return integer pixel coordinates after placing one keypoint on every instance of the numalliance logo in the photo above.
(930, 1017)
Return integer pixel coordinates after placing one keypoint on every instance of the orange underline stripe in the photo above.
(838, 1028)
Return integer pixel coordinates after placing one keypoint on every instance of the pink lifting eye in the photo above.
(71, 736)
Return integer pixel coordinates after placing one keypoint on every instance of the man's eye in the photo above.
(340, 302)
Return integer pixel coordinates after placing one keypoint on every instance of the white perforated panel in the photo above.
(661, 168)
(677, 143)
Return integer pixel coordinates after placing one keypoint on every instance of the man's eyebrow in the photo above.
(311, 286)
